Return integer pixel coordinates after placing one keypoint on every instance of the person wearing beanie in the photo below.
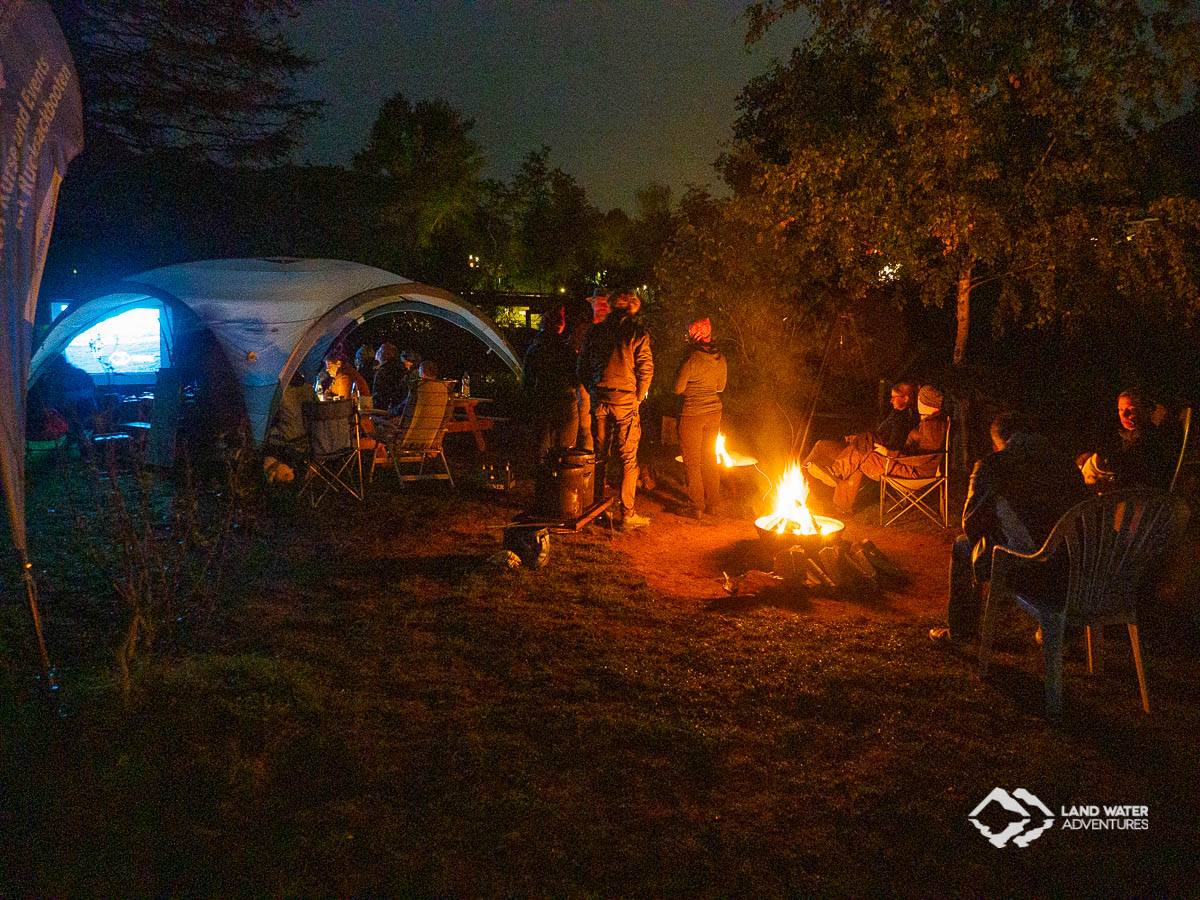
(616, 366)
(700, 381)
(891, 433)
(929, 401)
(917, 458)
(1017, 494)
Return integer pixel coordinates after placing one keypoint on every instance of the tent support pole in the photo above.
(35, 616)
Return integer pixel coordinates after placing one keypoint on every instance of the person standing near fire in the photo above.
(700, 381)
(550, 382)
(616, 366)
(599, 312)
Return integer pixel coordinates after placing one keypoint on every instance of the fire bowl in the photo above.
(739, 461)
(831, 531)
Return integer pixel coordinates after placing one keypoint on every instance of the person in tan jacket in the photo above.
(616, 366)
(700, 381)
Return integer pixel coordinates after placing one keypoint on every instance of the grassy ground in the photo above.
(373, 709)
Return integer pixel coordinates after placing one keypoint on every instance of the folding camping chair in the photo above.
(898, 496)
(1111, 543)
(334, 463)
(415, 438)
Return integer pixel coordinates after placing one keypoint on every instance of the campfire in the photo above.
(791, 517)
(730, 459)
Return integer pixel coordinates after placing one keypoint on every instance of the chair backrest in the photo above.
(1185, 422)
(944, 462)
(1111, 541)
(943, 458)
(423, 424)
(329, 426)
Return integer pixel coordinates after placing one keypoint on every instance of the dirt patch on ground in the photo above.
(684, 560)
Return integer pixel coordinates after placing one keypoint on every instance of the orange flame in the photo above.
(723, 456)
(790, 515)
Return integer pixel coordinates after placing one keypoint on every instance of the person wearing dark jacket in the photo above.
(700, 381)
(616, 366)
(1016, 496)
(1135, 455)
(891, 433)
(550, 381)
(390, 388)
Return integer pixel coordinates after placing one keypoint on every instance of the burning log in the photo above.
(810, 550)
(791, 522)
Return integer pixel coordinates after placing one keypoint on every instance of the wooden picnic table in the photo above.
(465, 418)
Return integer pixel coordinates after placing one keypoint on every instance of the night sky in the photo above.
(623, 93)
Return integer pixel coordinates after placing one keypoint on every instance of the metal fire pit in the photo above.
(810, 542)
(739, 462)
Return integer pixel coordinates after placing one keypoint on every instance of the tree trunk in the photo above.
(962, 312)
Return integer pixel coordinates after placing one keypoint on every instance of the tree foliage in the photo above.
(427, 155)
(212, 77)
(949, 144)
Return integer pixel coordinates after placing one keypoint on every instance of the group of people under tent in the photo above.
(585, 383)
(391, 379)
(62, 403)
(385, 374)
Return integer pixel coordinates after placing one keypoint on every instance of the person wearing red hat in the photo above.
(700, 381)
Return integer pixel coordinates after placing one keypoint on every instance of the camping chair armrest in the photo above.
(1007, 563)
(894, 456)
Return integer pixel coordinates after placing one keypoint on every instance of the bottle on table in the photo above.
(465, 385)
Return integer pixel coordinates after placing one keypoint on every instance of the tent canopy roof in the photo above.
(267, 314)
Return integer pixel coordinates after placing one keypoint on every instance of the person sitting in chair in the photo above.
(390, 388)
(428, 384)
(1134, 455)
(918, 457)
(1017, 494)
(341, 378)
(891, 433)
(71, 391)
(287, 440)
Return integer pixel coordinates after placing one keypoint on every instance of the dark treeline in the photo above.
(121, 214)
(996, 216)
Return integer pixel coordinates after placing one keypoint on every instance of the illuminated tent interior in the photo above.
(270, 317)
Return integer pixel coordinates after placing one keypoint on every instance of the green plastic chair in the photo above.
(1112, 541)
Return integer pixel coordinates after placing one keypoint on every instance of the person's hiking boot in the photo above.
(942, 637)
(633, 520)
(819, 472)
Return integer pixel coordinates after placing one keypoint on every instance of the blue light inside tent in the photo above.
(126, 344)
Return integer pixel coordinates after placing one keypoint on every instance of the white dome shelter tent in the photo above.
(269, 315)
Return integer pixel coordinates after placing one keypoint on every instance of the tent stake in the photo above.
(35, 616)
